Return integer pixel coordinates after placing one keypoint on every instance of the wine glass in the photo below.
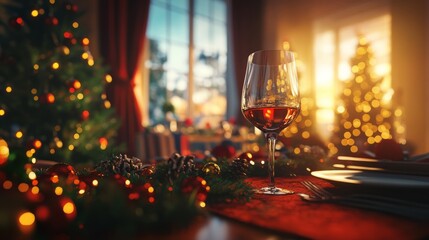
(270, 100)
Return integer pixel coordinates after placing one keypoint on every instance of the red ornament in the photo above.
(85, 115)
(68, 35)
(197, 185)
(62, 170)
(246, 156)
(16, 22)
(188, 122)
(232, 121)
(389, 149)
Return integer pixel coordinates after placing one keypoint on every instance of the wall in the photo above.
(293, 21)
(408, 66)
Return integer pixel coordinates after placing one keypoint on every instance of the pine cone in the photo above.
(239, 167)
(180, 164)
(121, 164)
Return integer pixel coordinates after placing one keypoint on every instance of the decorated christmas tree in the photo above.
(302, 130)
(363, 115)
(52, 100)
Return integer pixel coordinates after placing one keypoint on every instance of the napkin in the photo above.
(416, 167)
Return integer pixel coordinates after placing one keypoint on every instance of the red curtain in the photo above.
(246, 23)
(122, 31)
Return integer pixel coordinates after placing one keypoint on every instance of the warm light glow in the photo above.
(58, 191)
(85, 55)
(66, 50)
(103, 143)
(107, 104)
(27, 219)
(75, 24)
(7, 184)
(37, 143)
(23, 187)
(76, 136)
(150, 190)
(19, 134)
(58, 143)
(68, 208)
(50, 98)
(108, 78)
(4, 151)
(95, 182)
(85, 41)
(34, 13)
(35, 190)
(55, 65)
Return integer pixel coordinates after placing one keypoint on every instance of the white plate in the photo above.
(373, 178)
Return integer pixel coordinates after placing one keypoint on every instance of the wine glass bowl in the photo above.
(270, 100)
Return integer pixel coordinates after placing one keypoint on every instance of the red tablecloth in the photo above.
(290, 215)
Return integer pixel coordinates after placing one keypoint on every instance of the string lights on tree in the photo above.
(364, 115)
(52, 100)
(301, 130)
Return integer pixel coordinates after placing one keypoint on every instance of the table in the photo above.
(288, 217)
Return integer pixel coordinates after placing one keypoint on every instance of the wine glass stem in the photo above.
(271, 144)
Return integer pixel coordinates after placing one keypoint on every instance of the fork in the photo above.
(371, 202)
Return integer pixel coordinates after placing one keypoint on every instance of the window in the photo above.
(335, 44)
(186, 60)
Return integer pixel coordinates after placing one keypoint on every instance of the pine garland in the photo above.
(122, 197)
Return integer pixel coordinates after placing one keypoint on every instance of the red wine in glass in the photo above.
(271, 119)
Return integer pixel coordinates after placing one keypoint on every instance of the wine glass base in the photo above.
(273, 191)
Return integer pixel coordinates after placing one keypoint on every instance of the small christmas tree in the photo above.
(362, 117)
(52, 100)
(302, 130)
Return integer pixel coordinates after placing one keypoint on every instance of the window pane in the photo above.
(177, 85)
(202, 32)
(180, 27)
(178, 58)
(219, 39)
(202, 7)
(168, 32)
(182, 4)
(157, 26)
(163, 2)
(219, 7)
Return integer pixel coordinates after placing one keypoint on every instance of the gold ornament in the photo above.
(211, 168)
